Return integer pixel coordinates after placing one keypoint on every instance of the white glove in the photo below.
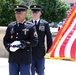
(13, 49)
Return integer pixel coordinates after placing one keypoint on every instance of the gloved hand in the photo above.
(21, 46)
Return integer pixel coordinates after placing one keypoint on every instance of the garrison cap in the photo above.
(19, 8)
(35, 8)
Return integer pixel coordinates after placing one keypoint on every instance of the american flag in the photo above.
(64, 45)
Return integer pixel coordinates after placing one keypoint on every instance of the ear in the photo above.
(40, 13)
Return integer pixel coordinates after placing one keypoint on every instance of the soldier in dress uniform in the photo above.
(19, 39)
(38, 52)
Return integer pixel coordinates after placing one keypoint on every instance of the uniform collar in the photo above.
(36, 20)
(21, 23)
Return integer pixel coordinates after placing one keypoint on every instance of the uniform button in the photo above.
(28, 50)
(16, 33)
(16, 37)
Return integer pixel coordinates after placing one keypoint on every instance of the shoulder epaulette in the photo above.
(44, 21)
(29, 24)
(12, 23)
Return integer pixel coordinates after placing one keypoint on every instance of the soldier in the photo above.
(19, 39)
(38, 52)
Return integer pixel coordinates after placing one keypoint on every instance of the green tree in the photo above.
(6, 11)
(53, 10)
(27, 2)
(7, 14)
(24, 2)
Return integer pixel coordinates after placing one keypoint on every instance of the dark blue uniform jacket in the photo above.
(44, 45)
(17, 32)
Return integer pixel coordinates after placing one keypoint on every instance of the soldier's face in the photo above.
(36, 15)
(20, 16)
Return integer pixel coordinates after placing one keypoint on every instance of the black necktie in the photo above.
(35, 22)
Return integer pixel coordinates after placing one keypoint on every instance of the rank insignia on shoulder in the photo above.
(35, 34)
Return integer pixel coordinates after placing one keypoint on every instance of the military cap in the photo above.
(35, 8)
(20, 8)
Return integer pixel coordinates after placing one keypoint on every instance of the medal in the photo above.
(42, 28)
(11, 37)
(25, 30)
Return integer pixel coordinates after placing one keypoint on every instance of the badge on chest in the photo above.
(42, 28)
(12, 31)
(25, 31)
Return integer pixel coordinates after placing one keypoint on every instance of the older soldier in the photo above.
(43, 30)
(19, 39)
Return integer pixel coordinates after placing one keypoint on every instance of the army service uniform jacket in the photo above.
(26, 33)
(43, 30)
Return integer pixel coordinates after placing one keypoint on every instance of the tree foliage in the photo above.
(53, 10)
(6, 11)
(24, 2)
(7, 14)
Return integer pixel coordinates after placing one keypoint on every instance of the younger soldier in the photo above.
(38, 51)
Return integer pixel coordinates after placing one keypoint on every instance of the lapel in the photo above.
(18, 28)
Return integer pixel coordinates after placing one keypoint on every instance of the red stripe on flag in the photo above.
(62, 49)
(73, 50)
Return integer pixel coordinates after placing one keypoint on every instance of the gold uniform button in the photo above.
(16, 37)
